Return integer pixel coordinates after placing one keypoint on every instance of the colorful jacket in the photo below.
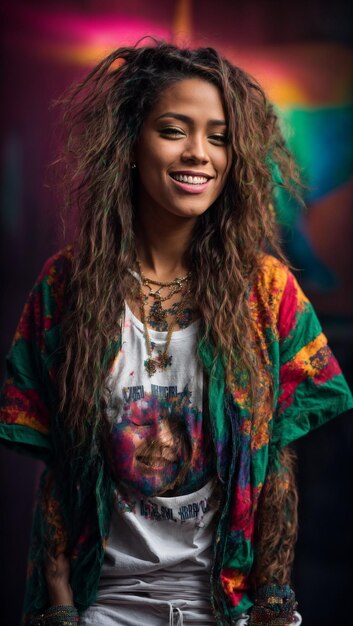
(300, 387)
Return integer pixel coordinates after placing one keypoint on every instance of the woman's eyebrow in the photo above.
(189, 120)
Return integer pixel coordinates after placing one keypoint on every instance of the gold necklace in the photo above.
(157, 314)
(163, 359)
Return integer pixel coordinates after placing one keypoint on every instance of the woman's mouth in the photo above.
(191, 183)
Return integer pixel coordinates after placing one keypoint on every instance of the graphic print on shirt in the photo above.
(180, 509)
(152, 510)
(160, 432)
(159, 441)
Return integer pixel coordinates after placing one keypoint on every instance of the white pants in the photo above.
(137, 615)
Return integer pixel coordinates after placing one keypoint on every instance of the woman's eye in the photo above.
(172, 132)
(219, 139)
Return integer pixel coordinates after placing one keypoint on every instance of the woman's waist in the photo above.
(162, 585)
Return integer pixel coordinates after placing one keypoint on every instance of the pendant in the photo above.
(157, 314)
(151, 366)
(164, 360)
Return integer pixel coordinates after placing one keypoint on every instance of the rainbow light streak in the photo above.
(312, 75)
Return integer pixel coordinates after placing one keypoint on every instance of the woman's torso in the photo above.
(159, 553)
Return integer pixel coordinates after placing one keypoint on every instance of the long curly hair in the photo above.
(105, 114)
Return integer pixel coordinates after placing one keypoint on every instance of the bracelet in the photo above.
(274, 605)
(60, 615)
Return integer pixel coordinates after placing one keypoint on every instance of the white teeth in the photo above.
(191, 180)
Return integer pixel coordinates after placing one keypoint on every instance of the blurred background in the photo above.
(302, 54)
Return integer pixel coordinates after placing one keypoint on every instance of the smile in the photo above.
(191, 183)
(192, 180)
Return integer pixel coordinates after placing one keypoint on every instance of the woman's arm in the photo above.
(60, 607)
(277, 522)
(57, 575)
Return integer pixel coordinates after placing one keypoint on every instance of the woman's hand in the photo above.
(57, 574)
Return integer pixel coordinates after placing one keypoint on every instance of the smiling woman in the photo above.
(165, 360)
(183, 155)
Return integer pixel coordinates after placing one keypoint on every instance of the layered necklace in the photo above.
(160, 292)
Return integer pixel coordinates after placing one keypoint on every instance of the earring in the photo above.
(133, 166)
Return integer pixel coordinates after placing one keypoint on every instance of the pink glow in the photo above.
(292, 74)
(68, 27)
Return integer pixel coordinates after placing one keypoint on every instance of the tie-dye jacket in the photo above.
(308, 389)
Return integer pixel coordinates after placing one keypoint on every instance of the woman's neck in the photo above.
(162, 245)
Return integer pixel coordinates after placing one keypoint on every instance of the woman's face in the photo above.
(182, 154)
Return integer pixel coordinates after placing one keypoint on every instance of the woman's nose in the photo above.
(195, 150)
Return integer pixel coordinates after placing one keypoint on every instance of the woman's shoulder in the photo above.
(58, 266)
(271, 265)
(48, 295)
(272, 275)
